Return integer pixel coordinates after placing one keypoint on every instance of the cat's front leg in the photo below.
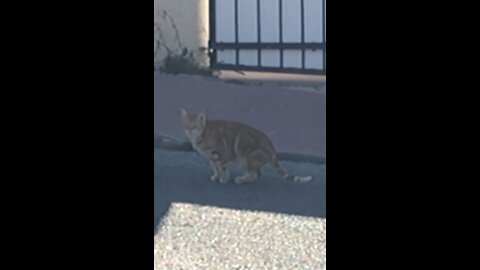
(216, 173)
(247, 177)
(220, 171)
(225, 175)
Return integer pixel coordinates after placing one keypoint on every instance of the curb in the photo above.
(167, 143)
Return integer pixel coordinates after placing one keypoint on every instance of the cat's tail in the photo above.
(288, 177)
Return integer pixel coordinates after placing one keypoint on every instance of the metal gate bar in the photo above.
(215, 46)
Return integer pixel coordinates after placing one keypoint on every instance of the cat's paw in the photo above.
(214, 178)
(239, 180)
(223, 180)
(225, 177)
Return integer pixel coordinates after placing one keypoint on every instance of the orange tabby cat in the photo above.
(222, 142)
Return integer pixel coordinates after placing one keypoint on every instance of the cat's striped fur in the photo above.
(222, 142)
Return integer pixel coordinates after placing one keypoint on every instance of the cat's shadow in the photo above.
(184, 177)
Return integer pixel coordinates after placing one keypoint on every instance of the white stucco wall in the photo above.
(179, 25)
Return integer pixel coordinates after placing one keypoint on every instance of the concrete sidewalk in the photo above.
(294, 119)
(317, 82)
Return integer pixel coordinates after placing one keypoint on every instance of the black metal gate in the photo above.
(268, 35)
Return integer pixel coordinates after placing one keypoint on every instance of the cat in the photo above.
(222, 142)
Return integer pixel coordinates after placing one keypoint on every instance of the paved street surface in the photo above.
(271, 224)
(200, 224)
(205, 237)
(293, 119)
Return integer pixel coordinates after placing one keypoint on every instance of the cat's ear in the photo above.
(183, 112)
(202, 118)
(183, 115)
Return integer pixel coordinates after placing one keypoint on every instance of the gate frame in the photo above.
(214, 46)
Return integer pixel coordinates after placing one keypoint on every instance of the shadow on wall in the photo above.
(184, 177)
(180, 39)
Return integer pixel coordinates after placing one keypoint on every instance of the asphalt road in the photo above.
(271, 224)
(185, 177)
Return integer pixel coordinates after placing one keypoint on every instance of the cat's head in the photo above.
(194, 124)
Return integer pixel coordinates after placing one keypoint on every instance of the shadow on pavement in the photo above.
(184, 177)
